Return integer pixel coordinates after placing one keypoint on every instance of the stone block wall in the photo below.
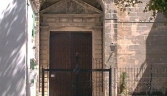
(140, 43)
(139, 40)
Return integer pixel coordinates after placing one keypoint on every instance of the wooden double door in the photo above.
(64, 49)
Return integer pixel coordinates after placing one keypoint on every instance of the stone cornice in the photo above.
(73, 15)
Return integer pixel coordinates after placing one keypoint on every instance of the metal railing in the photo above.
(78, 81)
(136, 81)
(139, 81)
(95, 83)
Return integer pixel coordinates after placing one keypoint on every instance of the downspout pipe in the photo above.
(26, 56)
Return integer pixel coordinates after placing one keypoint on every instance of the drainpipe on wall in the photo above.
(26, 57)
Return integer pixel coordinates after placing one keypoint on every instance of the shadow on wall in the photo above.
(154, 76)
(12, 47)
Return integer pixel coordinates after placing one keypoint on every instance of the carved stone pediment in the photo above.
(71, 7)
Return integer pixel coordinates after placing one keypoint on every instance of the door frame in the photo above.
(74, 69)
(97, 34)
(75, 29)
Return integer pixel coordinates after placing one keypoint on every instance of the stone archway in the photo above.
(70, 15)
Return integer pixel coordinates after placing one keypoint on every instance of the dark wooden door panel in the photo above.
(60, 51)
(63, 49)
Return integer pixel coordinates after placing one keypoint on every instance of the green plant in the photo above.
(32, 63)
(165, 87)
(123, 84)
(34, 26)
(125, 5)
(32, 80)
(157, 6)
(154, 6)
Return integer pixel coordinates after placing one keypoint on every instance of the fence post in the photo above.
(76, 70)
(110, 82)
(43, 81)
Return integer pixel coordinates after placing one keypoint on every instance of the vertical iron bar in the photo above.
(110, 82)
(76, 74)
(76, 84)
(114, 73)
(43, 81)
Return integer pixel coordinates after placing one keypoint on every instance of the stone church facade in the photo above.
(140, 43)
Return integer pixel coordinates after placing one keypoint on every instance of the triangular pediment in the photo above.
(71, 7)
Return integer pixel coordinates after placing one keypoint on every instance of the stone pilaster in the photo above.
(109, 34)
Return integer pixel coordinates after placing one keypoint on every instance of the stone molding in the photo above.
(71, 7)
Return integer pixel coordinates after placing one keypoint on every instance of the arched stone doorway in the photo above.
(70, 16)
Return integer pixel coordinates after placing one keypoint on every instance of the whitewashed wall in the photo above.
(32, 73)
(13, 48)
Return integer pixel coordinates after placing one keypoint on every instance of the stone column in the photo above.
(109, 36)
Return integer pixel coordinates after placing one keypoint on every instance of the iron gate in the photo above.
(76, 85)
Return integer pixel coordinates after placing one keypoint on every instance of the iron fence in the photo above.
(78, 86)
(136, 81)
(139, 81)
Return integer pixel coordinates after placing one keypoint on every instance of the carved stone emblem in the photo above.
(71, 6)
(80, 9)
